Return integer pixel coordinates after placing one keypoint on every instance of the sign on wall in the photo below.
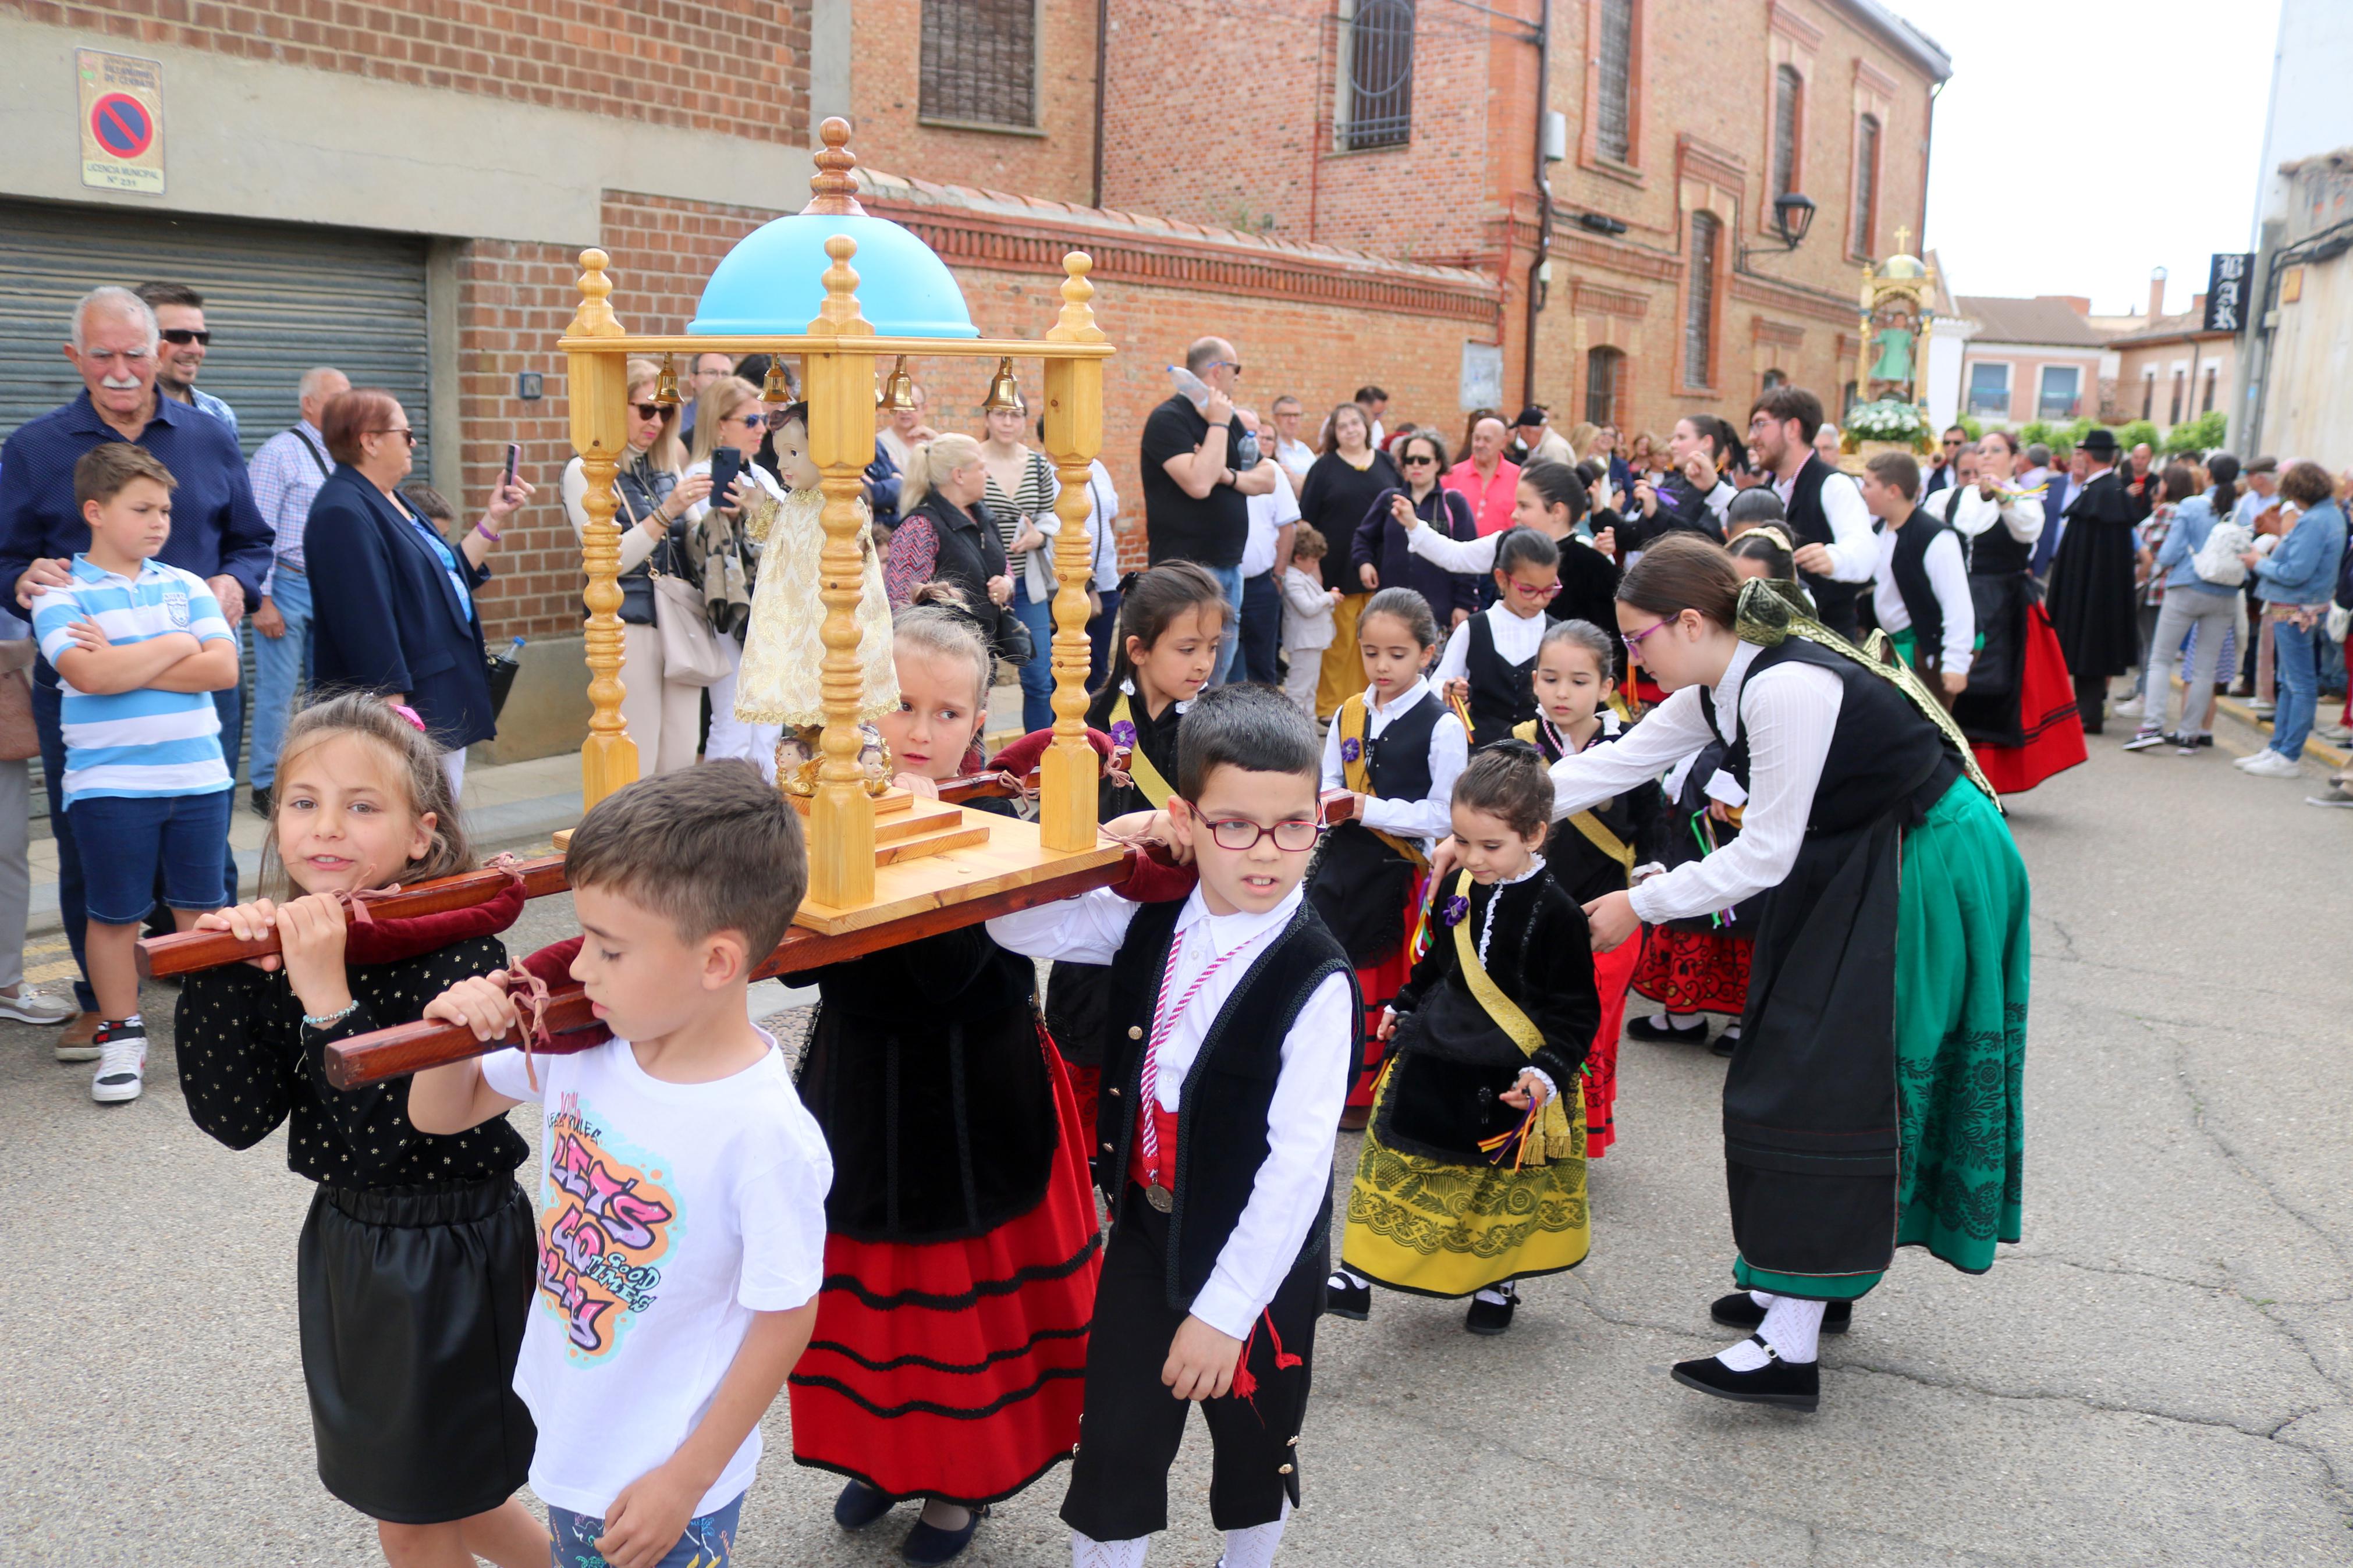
(2227, 278)
(1482, 376)
(121, 122)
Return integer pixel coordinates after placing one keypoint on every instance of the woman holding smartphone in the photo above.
(729, 426)
(650, 503)
(1021, 490)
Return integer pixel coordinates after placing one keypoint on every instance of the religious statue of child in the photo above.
(782, 648)
(1891, 375)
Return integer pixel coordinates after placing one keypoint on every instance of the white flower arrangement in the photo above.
(1888, 419)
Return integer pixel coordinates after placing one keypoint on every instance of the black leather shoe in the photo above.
(1740, 1310)
(1487, 1317)
(1354, 1302)
(861, 1505)
(928, 1543)
(1657, 1029)
(1789, 1385)
(261, 801)
(1727, 1042)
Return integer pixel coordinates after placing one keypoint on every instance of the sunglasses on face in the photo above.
(1416, 462)
(405, 433)
(754, 421)
(184, 335)
(650, 410)
(1233, 365)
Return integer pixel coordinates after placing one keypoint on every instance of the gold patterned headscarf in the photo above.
(1768, 618)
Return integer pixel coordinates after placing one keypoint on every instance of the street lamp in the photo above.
(1793, 214)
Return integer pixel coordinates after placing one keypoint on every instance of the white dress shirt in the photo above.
(1268, 514)
(1311, 1085)
(1432, 816)
(1473, 555)
(1516, 640)
(1973, 514)
(1854, 550)
(1791, 712)
(1949, 577)
(1295, 458)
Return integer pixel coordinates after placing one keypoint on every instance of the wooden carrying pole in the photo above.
(1067, 795)
(598, 390)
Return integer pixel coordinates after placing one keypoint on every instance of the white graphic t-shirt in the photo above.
(669, 1214)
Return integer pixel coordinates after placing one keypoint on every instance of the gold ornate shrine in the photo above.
(855, 882)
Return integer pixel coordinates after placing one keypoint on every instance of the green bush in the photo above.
(1973, 425)
(2203, 434)
(2136, 432)
(2036, 431)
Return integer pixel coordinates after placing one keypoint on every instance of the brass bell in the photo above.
(776, 388)
(898, 393)
(1004, 392)
(666, 389)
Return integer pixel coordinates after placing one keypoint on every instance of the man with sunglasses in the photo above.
(1200, 468)
(180, 323)
(1948, 452)
(218, 534)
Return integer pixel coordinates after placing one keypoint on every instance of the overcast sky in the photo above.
(2080, 144)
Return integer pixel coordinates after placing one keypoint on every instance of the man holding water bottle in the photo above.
(1200, 469)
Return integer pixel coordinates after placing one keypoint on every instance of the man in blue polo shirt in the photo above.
(218, 534)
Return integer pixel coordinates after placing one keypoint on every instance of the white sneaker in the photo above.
(122, 1064)
(31, 1004)
(2269, 764)
(2129, 709)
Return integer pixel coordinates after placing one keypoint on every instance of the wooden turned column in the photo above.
(1067, 773)
(840, 388)
(598, 390)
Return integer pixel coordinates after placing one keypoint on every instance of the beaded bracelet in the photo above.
(329, 1020)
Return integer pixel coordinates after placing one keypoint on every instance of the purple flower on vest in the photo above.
(1351, 749)
(1123, 733)
(1453, 909)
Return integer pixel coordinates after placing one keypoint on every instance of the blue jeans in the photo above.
(175, 841)
(1037, 675)
(279, 664)
(1261, 629)
(709, 1541)
(2295, 664)
(1230, 578)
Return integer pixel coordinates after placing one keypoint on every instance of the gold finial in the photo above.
(1004, 392)
(594, 318)
(833, 186)
(1076, 324)
(666, 387)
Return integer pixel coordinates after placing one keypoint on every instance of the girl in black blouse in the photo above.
(416, 1265)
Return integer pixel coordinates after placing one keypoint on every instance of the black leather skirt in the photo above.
(412, 1303)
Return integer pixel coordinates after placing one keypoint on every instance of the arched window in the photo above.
(1866, 184)
(1699, 301)
(1614, 113)
(1789, 89)
(1605, 385)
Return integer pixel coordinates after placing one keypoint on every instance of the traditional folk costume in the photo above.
(416, 1267)
(2092, 607)
(1232, 1036)
(2019, 712)
(1367, 883)
(1455, 1192)
(1078, 994)
(1593, 852)
(1922, 599)
(961, 1243)
(1876, 1101)
(1697, 964)
(1496, 651)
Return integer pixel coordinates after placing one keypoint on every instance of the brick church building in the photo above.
(1571, 202)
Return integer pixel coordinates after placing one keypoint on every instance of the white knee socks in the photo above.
(1793, 1327)
(1086, 1552)
(1252, 1548)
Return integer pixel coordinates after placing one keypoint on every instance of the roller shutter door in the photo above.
(278, 298)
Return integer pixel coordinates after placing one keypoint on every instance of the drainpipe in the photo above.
(1536, 269)
(1103, 64)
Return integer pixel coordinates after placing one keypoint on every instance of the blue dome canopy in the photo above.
(772, 283)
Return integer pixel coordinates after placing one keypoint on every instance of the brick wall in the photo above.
(886, 41)
(735, 68)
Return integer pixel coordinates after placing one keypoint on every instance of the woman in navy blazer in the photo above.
(1379, 555)
(395, 601)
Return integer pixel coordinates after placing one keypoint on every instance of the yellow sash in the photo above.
(1555, 1141)
(1140, 770)
(1356, 772)
(1584, 822)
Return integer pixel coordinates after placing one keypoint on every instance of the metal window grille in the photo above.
(1699, 305)
(1605, 377)
(1866, 184)
(1786, 86)
(980, 61)
(2205, 402)
(2179, 386)
(1614, 122)
(2147, 393)
(1380, 52)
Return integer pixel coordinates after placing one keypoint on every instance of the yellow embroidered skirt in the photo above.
(1448, 1227)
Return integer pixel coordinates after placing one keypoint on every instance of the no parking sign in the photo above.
(121, 122)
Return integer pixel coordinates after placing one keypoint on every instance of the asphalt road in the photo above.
(2162, 1372)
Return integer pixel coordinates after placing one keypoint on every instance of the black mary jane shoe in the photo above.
(1342, 1299)
(928, 1543)
(1726, 1042)
(861, 1505)
(1656, 1029)
(1487, 1317)
(1784, 1385)
(1740, 1310)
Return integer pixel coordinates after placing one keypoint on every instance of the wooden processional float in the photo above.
(884, 869)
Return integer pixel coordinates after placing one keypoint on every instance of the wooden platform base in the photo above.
(950, 864)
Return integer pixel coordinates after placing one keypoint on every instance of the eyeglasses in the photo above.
(1416, 462)
(1549, 591)
(1233, 365)
(1238, 834)
(650, 410)
(1634, 643)
(1950, 445)
(405, 433)
(754, 421)
(184, 335)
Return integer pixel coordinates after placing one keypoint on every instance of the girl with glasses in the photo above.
(1397, 750)
(1472, 1173)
